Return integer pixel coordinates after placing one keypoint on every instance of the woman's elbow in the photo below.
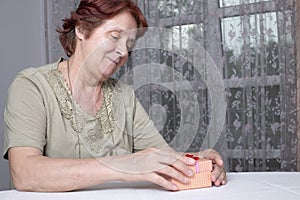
(19, 181)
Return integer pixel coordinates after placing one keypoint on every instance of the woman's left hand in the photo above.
(218, 174)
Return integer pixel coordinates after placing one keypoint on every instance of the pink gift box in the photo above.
(202, 175)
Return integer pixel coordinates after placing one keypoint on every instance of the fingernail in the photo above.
(190, 173)
(213, 178)
(186, 180)
(174, 187)
(191, 161)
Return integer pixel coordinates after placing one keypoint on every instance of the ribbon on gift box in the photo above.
(195, 158)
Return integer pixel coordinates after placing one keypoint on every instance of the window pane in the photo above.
(183, 35)
(191, 7)
(173, 8)
(225, 3)
(168, 8)
(251, 43)
(232, 43)
(187, 6)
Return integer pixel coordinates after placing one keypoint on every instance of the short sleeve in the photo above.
(145, 133)
(24, 116)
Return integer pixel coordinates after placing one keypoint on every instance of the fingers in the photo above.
(171, 173)
(187, 160)
(161, 181)
(181, 164)
(213, 155)
(177, 161)
(176, 155)
(218, 175)
(173, 166)
(176, 166)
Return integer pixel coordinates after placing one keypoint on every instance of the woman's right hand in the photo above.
(154, 165)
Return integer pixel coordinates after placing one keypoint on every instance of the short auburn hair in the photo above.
(91, 13)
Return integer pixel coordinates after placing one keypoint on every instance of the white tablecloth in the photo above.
(240, 186)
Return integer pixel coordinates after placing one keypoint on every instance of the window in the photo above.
(253, 44)
(225, 3)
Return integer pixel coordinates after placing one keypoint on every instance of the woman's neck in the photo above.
(85, 88)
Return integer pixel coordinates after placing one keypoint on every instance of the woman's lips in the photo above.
(116, 61)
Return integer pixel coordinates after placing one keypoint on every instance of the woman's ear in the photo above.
(80, 34)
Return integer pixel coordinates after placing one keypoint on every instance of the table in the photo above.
(240, 186)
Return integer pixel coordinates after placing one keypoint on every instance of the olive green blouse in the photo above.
(40, 112)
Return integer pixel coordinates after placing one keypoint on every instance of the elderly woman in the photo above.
(68, 125)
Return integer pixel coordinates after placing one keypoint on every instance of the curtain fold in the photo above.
(298, 79)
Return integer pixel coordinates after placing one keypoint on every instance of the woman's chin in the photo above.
(104, 77)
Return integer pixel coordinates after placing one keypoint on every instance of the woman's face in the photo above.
(106, 50)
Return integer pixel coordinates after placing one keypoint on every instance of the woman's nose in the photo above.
(122, 49)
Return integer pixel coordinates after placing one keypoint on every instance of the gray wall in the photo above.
(22, 44)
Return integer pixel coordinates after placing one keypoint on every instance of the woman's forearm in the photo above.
(40, 173)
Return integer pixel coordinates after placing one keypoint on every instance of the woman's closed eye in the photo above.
(115, 35)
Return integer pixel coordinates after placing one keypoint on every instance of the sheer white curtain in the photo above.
(253, 44)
